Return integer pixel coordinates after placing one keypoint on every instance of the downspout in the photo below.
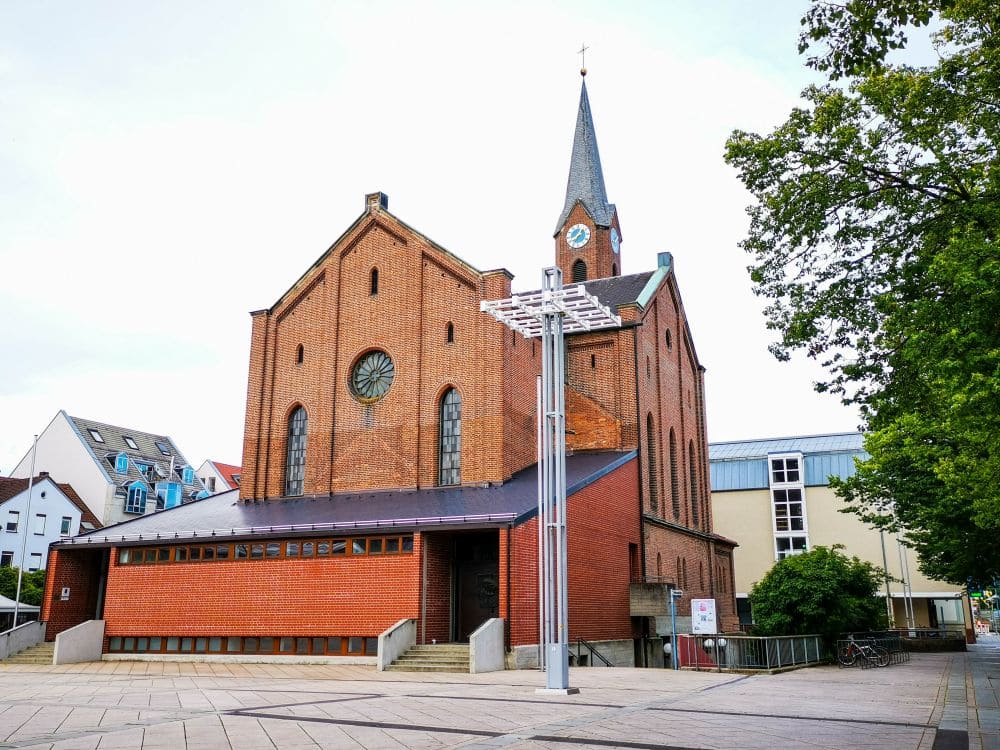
(638, 443)
(506, 634)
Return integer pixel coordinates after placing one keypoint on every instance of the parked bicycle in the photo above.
(849, 651)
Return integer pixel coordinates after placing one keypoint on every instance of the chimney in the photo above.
(376, 201)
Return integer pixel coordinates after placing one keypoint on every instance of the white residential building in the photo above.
(120, 473)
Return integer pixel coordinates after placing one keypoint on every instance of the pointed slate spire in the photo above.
(586, 180)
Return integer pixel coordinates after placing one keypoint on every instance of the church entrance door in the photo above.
(477, 581)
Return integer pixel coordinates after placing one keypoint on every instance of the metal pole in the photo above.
(673, 630)
(885, 571)
(909, 586)
(539, 436)
(24, 532)
(907, 604)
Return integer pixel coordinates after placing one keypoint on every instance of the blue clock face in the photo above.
(577, 235)
(616, 241)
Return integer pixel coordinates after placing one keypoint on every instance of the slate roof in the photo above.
(619, 290)
(586, 178)
(760, 448)
(225, 516)
(146, 451)
(11, 487)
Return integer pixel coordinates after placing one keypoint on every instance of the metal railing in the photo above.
(873, 642)
(745, 653)
(594, 653)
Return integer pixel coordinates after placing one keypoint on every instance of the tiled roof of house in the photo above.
(229, 472)
(11, 487)
(150, 449)
(224, 515)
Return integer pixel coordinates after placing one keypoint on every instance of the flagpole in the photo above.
(24, 535)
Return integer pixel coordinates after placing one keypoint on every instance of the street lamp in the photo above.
(549, 314)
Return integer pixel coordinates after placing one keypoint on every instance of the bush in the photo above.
(821, 591)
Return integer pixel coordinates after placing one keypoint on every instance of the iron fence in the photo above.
(745, 653)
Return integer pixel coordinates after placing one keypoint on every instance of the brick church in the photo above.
(389, 465)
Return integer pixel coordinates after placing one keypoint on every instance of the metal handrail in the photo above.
(593, 652)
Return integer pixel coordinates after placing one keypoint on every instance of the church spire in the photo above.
(586, 180)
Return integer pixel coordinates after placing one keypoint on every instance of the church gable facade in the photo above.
(388, 465)
(377, 371)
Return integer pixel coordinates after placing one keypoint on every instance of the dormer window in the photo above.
(136, 500)
(121, 463)
(187, 476)
(163, 448)
(130, 442)
(147, 470)
(95, 435)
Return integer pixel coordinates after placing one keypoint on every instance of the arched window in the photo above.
(579, 271)
(450, 442)
(695, 500)
(374, 282)
(654, 497)
(675, 493)
(667, 340)
(450, 335)
(300, 354)
(295, 461)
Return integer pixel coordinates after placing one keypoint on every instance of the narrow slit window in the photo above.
(374, 282)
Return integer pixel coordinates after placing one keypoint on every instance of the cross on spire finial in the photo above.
(583, 59)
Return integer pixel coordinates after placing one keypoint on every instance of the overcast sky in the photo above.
(165, 168)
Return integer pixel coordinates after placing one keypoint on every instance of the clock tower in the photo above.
(588, 237)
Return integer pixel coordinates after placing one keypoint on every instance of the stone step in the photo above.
(38, 654)
(418, 659)
(397, 667)
(443, 657)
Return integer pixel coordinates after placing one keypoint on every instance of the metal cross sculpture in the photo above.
(549, 314)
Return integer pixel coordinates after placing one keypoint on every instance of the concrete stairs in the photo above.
(40, 654)
(441, 657)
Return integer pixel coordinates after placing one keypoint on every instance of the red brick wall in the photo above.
(436, 622)
(333, 315)
(79, 570)
(597, 253)
(602, 520)
(296, 597)
(707, 565)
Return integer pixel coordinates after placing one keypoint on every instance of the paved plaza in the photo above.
(940, 701)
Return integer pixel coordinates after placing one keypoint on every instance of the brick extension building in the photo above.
(388, 464)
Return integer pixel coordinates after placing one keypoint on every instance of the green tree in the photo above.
(874, 237)
(32, 585)
(821, 591)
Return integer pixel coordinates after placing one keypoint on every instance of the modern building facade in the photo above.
(773, 497)
(389, 464)
(119, 472)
